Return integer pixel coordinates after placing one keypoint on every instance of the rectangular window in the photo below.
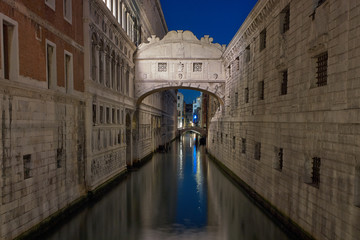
(246, 95)
(59, 157)
(68, 10)
(197, 67)
(68, 72)
(233, 142)
(94, 113)
(285, 19)
(319, 2)
(257, 152)
(322, 65)
(51, 65)
(101, 114)
(236, 99)
(162, 67)
(118, 116)
(247, 54)
(27, 166)
(9, 48)
(113, 115)
(50, 4)
(263, 39)
(284, 82)
(261, 90)
(243, 145)
(315, 175)
(278, 158)
(107, 115)
(237, 62)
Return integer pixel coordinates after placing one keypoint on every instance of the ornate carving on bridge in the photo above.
(179, 60)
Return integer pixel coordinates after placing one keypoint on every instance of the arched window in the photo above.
(127, 81)
(122, 83)
(93, 56)
(118, 74)
(101, 62)
(113, 64)
(107, 65)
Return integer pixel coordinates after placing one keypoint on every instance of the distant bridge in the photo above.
(199, 130)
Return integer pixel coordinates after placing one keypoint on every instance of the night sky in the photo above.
(218, 18)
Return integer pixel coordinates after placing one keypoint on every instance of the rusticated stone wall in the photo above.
(290, 134)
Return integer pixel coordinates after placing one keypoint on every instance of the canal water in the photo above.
(177, 195)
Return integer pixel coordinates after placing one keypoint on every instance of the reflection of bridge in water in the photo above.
(199, 130)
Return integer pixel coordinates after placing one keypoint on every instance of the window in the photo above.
(94, 113)
(319, 2)
(118, 76)
(107, 115)
(9, 47)
(68, 72)
(243, 145)
(93, 57)
(101, 63)
(51, 65)
(221, 137)
(50, 4)
(315, 172)
(257, 152)
(107, 68)
(263, 39)
(261, 90)
(119, 137)
(123, 14)
(233, 142)
(247, 54)
(322, 65)
(162, 67)
(284, 82)
(237, 62)
(101, 114)
(118, 116)
(285, 19)
(197, 67)
(68, 10)
(278, 158)
(127, 79)
(357, 186)
(113, 115)
(113, 64)
(246, 95)
(27, 166)
(59, 157)
(118, 11)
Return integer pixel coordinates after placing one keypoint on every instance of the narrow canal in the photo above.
(177, 195)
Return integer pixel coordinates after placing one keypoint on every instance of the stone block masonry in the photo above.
(297, 134)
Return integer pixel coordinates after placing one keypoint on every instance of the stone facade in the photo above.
(290, 125)
(69, 125)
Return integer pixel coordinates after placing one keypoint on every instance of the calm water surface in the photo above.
(177, 195)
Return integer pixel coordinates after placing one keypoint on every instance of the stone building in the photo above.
(70, 121)
(180, 110)
(290, 124)
(112, 32)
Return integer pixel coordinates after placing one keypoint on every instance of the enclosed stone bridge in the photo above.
(199, 130)
(179, 60)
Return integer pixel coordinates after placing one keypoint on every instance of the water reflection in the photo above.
(178, 195)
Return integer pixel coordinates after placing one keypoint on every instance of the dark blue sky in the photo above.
(218, 18)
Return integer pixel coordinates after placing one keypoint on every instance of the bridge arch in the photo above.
(179, 60)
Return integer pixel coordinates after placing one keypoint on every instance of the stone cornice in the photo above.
(251, 24)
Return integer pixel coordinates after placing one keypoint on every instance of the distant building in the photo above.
(188, 114)
(180, 110)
